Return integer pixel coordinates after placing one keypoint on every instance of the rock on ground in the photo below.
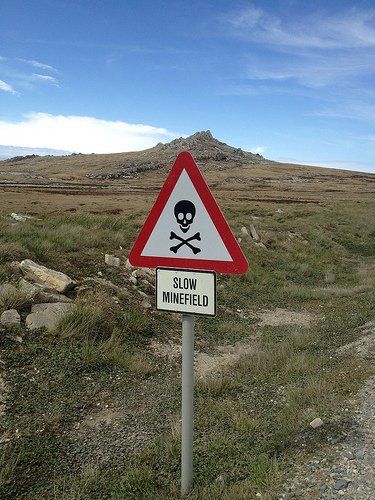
(10, 318)
(46, 315)
(316, 423)
(254, 233)
(41, 293)
(111, 260)
(20, 218)
(54, 279)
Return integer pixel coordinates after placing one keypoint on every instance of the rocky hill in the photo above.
(207, 151)
(202, 145)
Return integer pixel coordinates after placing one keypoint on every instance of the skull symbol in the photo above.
(184, 211)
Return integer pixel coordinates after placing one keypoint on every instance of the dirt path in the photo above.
(345, 469)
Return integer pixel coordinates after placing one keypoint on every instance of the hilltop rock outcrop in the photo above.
(202, 145)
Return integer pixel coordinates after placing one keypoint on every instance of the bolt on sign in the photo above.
(188, 240)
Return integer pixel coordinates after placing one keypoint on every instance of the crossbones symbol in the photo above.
(174, 236)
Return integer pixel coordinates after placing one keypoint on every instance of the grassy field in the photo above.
(93, 408)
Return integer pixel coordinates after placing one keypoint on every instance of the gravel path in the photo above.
(349, 470)
(352, 472)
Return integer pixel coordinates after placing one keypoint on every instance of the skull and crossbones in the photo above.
(184, 212)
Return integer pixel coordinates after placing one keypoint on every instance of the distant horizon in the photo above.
(14, 151)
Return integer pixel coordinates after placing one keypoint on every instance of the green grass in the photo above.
(251, 420)
(70, 242)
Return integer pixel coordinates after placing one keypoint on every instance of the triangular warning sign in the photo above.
(185, 228)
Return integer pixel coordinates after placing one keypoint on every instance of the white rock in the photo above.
(111, 260)
(19, 217)
(10, 318)
(133, 280)
(128, 265)
(46, 315)
(145, 304)
(244, 231)
(54, 279)
(41, 293)
(254, 233)
(317, 422)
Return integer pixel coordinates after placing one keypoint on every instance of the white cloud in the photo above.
(7, 88)
(352, 28)
(312, 50)
(313, 69)
(37, 64)
(46, 78)
(351, 110)
(258, 150)
(82, 134)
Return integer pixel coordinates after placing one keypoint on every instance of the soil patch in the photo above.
(282, 317)
(169, 350)
(365, 346)
(208, 364)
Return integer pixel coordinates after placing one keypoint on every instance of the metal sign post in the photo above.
(187, 429)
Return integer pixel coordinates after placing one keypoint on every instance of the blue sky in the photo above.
(293, 80)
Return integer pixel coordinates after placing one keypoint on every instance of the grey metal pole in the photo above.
(187, 402)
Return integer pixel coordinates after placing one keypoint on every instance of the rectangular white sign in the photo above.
(186, 292)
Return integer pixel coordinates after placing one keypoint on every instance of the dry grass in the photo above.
(216, 386)
(85, 320)
(13, 298)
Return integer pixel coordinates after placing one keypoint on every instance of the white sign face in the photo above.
(185, 229)
(187, 292)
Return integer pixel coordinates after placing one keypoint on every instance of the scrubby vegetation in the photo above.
(93, 412)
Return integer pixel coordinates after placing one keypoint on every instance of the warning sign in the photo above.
(186, 229)
(187, 292)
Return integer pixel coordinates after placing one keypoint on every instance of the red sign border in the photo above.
(238, 265)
